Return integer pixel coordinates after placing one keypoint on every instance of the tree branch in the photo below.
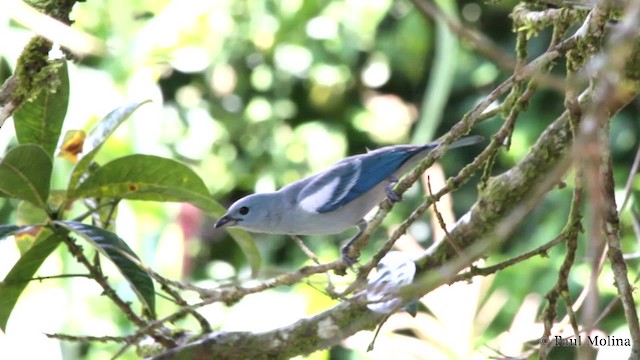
(33, 69)
(496, 200)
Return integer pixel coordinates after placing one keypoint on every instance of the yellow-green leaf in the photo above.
(40, 121)
(18, 278)
(25, 173)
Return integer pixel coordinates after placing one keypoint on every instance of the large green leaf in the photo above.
(18, 278)
(97, 136)
(40, 121)
(25, 173)
(113, 247)
(148, 177)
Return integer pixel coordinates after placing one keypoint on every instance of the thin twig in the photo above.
(570, 233)
(330, 289)
(95, 209)
(632, 174)
(429, 280)
(476, 271)
(50, 277)
(108, 290)
(443, 226)
(305, 249)
(484, 45)
(84, 338)
(204, 324)
(461, 128)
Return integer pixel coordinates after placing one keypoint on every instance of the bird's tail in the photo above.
(466, 141)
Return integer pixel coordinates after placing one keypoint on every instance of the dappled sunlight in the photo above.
(122, 241)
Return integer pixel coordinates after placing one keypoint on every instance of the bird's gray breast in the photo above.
(340, 219)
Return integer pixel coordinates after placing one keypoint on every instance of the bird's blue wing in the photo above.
(326, 190)
(376, 167)
(353, 177)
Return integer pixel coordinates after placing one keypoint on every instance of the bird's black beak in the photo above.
(225, 220)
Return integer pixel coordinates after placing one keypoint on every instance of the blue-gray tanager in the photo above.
(335, 199)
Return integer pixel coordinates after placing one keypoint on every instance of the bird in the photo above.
(332, 200)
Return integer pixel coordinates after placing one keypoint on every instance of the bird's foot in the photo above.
(348, 260)
(346, 248)
(392, 195)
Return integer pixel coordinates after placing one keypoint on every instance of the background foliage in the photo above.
(252, 95)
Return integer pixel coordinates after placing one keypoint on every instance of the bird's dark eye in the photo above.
(243, 210)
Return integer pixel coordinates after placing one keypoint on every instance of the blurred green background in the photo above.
(256, 94)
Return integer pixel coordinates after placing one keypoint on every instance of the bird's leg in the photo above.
(362, 225)
(392, 195)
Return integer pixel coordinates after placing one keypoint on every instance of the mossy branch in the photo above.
(34, 70)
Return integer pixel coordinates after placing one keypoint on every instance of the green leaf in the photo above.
(6, 230)
(27, 214)
(5, 69)
(249, 248)
(441, 77)
(26, 238)
(40, 121)
(25, 173)
(146, 177)
(113, 247)
(243, 239)
(97, 136)
(153, 178)
(18, 278)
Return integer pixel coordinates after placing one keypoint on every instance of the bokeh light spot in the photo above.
(293, 59)
(259, 109)
(377, 72)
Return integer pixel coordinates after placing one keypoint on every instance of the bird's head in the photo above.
(250, 213)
